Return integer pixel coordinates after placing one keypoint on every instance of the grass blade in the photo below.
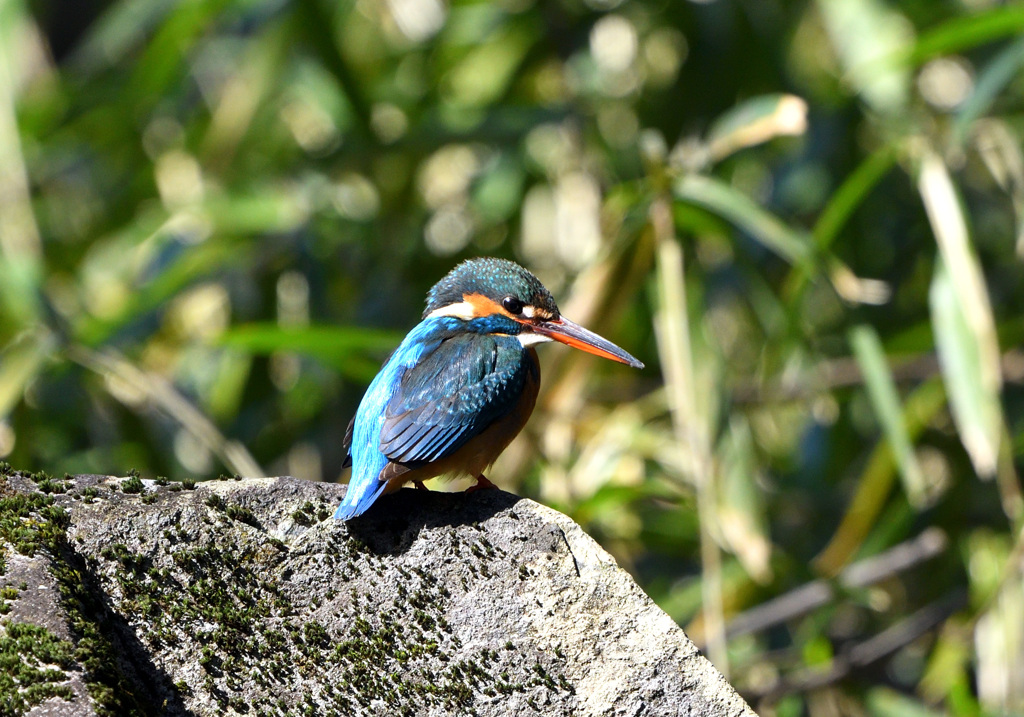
(351, 350)
(112, 365)
(867, 347)
(311, 340)
(850, 194)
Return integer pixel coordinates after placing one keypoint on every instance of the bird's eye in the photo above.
(512, 305)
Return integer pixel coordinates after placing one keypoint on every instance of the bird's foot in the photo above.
(419, 485)
(481, 483)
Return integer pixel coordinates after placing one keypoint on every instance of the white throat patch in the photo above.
(529, 338)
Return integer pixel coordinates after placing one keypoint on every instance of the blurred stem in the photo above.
(864, 573)
(21, 249)
(843, 203)
(676, 356)
(1009, 485)
(112, 365)
(877, 479)
(595, 299)
(863, 653)
(845, 372)
(318, 27)
(241, 97)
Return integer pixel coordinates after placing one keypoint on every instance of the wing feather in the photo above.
(452, 395)
(346, 443)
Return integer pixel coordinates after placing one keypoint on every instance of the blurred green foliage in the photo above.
(807, 218)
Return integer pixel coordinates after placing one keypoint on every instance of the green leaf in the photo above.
(854, 189)
(884, 702)
(318, 340)
(844, 202)
(267, 209)
(967, 31)
(992, 80)
(159, 65)
(756, 121)
(193, 264)
(345, 348)
(948, 674)
(871, 39)
(965, 330)
(883, 63)
(20, 279)
(20, 362)
(224, 398)
(867, 347)
(498, 194)
(741, 512)
(485, 73)
(973, 398)
(791, 244)
(683, 600)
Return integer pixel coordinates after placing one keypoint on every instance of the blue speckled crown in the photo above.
(495, 279)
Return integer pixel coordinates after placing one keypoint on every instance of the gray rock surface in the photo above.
(246, 597)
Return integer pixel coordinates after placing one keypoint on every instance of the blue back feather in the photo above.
(367, 459)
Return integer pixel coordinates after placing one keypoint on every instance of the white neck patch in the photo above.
(462, 310)
(529, 338)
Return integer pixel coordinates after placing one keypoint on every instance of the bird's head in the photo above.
(502, 297)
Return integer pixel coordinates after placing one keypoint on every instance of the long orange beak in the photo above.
(572, 334)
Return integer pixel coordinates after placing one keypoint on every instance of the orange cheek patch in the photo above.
(483, 306)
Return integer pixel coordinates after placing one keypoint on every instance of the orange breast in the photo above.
(480, 452)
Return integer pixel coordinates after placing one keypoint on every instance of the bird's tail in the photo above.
(359, 496)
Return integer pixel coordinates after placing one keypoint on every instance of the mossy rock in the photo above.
(246, 597)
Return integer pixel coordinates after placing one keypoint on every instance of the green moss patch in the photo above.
(33, 664)
(30, 523)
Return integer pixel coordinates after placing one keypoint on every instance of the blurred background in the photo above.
(217, 217)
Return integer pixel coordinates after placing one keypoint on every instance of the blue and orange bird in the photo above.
(462, 383)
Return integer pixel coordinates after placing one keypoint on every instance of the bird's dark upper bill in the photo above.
(574, 335)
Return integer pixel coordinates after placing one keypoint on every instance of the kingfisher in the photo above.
(462, 383)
